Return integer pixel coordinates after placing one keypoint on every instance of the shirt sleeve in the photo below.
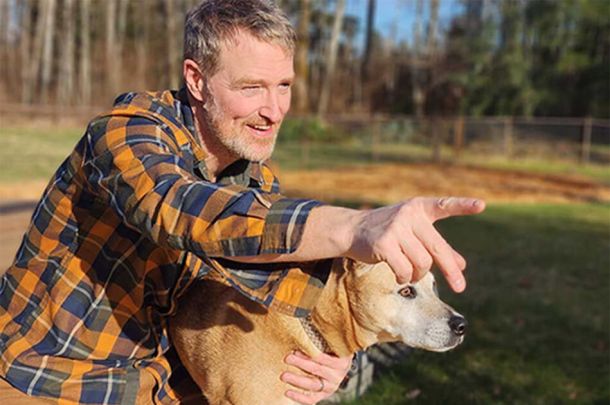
(149, 183)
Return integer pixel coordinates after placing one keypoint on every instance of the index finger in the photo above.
(440, 208)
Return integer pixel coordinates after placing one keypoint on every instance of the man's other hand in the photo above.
(321, 376)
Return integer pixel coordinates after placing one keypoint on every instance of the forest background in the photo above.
(477, 58)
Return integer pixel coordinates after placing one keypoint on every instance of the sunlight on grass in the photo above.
(537, 306)
(34, 153)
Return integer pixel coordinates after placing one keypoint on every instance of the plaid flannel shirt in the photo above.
(125, 225)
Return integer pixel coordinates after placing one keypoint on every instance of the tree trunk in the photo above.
(120, 27)
(416, 62)
(111, 48)
(4, 46)
(85, 52)
(173, 68)
(331, 58)
(142, 43)
(25, 51)
(47, 55)
(365, 74)
(66, 78)
(301, 63)
(368, 47)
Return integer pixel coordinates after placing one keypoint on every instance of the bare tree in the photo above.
(112, 69)
(416, 68)
(66, 73)
(331, 57)
(301, 63)
(4, 37)
(48, 49)
(368, 49)
(121, 28)
(25, 51)
(85, 52)
(142, 42)
(33, 70)
(172, 45)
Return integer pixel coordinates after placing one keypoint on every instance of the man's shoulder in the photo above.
(137, 114)
(151, 102)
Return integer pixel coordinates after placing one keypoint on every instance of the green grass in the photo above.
(538, 310)
(33, 153)
(29, 153)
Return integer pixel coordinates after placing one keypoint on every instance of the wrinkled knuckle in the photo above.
(436, 248)
(408, 208)
(426, 262)
(443, 202)
(384, 242)
(317, 370)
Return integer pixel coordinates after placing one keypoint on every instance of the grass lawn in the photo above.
(538, 310)
(33, 153)
(30, 153)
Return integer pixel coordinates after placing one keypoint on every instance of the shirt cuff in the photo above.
(284, 225)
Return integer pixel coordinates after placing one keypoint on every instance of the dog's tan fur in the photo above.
(235, 349)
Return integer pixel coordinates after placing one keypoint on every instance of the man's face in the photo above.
(248, 97)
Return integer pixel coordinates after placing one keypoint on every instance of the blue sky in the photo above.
(401, 15)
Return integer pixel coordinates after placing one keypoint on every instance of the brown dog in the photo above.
(234, 348)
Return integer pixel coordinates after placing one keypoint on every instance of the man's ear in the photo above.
(193, 79)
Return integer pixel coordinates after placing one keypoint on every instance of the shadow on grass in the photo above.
(537, 305)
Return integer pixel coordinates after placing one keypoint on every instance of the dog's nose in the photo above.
(458, 325)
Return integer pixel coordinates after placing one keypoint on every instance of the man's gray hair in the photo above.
(212, 22)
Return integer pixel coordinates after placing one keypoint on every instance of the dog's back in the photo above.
(233, 344)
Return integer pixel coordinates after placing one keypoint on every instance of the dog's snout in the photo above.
(458, 325)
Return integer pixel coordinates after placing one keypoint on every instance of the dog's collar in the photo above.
(314, 334)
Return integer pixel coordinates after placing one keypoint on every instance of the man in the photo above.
(162, 190)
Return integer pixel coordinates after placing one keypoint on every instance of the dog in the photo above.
(234, 348)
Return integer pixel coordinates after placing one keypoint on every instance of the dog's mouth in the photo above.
(452, 343)
(435, 339)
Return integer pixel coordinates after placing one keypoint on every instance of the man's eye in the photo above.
(251, 89)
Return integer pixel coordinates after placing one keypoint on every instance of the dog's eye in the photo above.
(408, 292)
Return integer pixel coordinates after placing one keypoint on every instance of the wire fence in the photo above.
(583, 140)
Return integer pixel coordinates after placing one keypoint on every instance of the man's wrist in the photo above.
(338, 224)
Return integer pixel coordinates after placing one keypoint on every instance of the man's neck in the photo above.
(218, 157)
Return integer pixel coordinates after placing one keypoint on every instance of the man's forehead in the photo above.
(242, 54)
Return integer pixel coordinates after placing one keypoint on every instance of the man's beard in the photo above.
(240, 145)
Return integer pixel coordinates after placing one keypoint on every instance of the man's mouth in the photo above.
(261, 130)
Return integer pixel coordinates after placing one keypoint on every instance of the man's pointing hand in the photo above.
(403, 235)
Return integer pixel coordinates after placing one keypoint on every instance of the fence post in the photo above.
(435, 129)
(375, 139)
(585, 146)
(458, 136)
(507, 132)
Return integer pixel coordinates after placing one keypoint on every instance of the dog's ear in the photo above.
(356, 267)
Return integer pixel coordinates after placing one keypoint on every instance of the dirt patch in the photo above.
(395, 182)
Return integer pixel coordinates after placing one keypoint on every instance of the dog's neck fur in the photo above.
(333, 318)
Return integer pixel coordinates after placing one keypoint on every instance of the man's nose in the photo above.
(272, 109)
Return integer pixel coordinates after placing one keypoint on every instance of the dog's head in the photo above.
(412, 313)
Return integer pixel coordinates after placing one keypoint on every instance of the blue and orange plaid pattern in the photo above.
(126, 224)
